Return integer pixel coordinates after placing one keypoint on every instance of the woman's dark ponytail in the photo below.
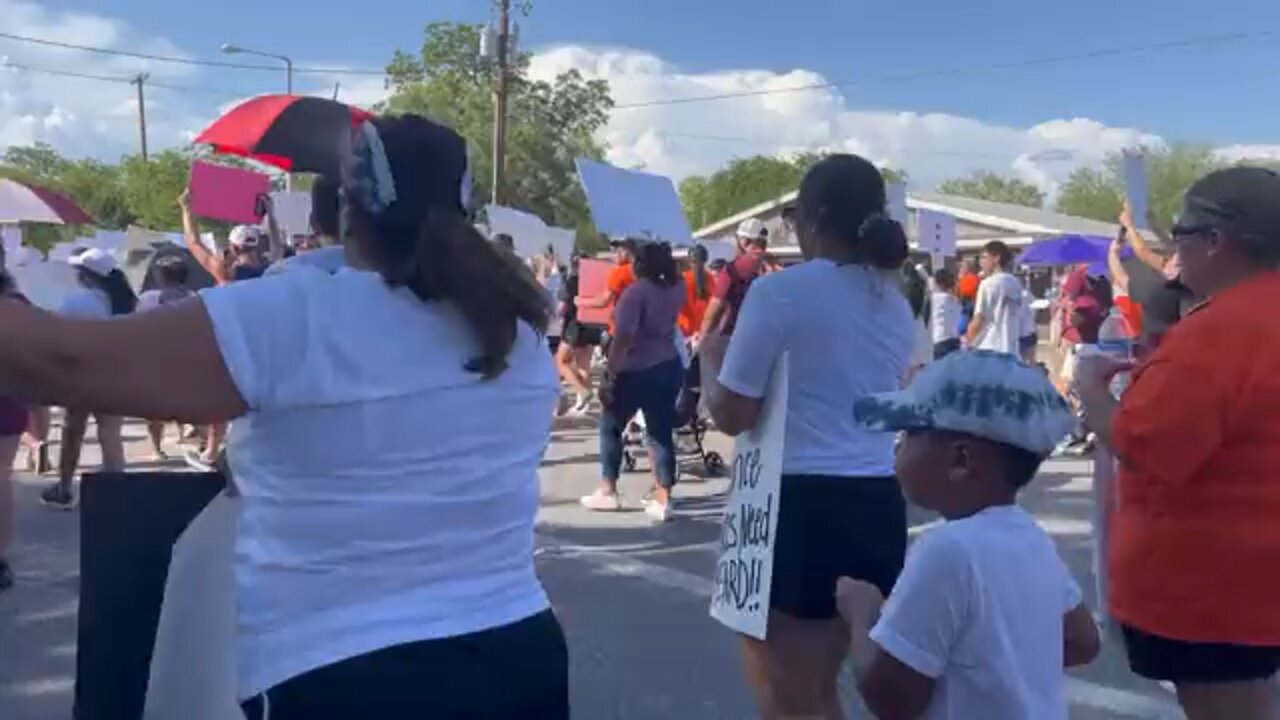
(883, 241)
(115, 286)
(492, 289)
(700, 255)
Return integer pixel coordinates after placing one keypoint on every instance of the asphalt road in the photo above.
(632, 597)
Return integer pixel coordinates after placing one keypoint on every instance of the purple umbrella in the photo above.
(1066, 250)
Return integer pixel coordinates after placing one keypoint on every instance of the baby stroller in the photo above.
(691, 427)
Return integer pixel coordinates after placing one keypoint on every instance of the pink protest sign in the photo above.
(226, 193)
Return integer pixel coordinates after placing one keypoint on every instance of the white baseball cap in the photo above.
(96, 261)
(988, 394)
(753, 229)
(245, 236)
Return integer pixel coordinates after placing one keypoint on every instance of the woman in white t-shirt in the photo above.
(104, 292)
(849, 333)
(389, 423)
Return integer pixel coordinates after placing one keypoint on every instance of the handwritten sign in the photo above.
(744, 571)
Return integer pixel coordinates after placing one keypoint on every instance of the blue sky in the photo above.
(1038, 122)
(1222, 93)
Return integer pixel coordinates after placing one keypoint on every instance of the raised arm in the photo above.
(211, 263)
(1119, 277)
(275, 247)
(1141, 250)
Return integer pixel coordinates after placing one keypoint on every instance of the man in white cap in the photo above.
(985, 615)
(252, 251)
(733, 282)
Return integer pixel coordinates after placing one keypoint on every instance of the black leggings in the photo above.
(517, 671)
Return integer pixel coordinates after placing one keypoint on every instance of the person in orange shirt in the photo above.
(1194, 542)
(698, 285)
(621, 277)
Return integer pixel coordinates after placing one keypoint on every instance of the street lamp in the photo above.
(230, 49)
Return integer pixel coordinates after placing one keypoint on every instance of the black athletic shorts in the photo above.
(581, 336)
(1158, 658)
(516, 671)
(830, 527)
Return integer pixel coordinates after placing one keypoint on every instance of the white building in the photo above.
(977, 222)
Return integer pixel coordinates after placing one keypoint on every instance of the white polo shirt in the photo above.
(388, 495)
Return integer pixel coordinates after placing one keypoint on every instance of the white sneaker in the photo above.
(658, 512)
(601, 502)
(583, 403)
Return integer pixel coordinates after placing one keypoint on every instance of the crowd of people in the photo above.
(382, 402)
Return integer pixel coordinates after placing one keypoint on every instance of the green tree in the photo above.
(38, 163)
(984, 185)
(151, 188)
(1098, 192)
(747, 182)
(97, 188)
(549, 124)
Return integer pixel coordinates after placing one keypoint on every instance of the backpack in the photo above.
(739, 284)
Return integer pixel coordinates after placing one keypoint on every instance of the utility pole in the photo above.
(500, 99)
(141, 80)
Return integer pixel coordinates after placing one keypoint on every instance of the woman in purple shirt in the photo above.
(644, 374)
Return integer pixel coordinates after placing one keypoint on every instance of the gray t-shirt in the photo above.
(646, 313)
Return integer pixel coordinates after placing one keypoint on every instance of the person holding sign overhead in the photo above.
(849, 333)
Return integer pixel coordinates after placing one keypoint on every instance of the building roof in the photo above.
(1003, 218)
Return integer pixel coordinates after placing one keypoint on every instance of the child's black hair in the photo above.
(1020, 466)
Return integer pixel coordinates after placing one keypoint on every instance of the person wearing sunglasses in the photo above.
(1193, 542)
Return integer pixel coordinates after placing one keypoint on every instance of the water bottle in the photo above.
(1115, 340)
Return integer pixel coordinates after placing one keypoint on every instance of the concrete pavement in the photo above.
(632, 596)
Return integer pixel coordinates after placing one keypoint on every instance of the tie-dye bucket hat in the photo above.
(977, 392)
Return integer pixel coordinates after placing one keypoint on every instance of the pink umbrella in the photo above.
(23, 203)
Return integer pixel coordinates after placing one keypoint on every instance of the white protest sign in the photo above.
(936, 234)
(744, 570)
(629, 203)
(896, 202)
(1135, 188)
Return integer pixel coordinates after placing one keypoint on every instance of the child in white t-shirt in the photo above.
(985, 615)
(945, 311)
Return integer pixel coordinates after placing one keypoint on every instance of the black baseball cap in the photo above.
(1246, 199)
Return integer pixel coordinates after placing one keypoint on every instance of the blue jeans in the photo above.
(653, 391)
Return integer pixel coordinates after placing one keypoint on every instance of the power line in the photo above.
(126, 79)
(946, 72)
(9, 65)
(897, 149)
(185, 61)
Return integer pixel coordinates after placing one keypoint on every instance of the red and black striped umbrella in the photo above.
(292, 132)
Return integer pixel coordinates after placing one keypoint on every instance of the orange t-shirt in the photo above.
(1194, 542)
(690, 318)
(620, 278)
(1132, 312)
(967, 286)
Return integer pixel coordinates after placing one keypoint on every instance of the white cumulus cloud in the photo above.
(83, 117)
(680, 139)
